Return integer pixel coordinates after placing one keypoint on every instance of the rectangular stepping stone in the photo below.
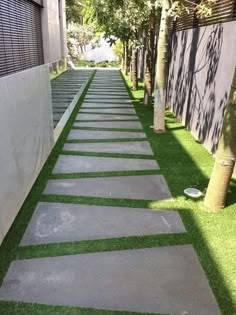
(82, 164)
(107, 93)
(106, 79)
(63, 92)
(60, 104)
(62, 99)
(108, 101)
(95, 135)
(106, 90)
(110, 124)
(102, 88)
(105, 105)
(58, 222)
(66, 85)
(110, 110)
(57, 106)
(166, 280)
(58, 110)
(108, 96)
(57, 116)
(105, 117)
(143, 187)
(137, 147)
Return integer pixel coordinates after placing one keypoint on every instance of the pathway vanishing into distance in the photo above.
(64, 88)
(107, 155)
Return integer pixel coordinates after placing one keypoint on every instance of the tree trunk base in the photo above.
(158, 131)
(219, 183)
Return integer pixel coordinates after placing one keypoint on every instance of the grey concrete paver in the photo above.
(109, 111)
(108, 96)
(144, 187)
(95, 135)
(166, 280)
(58, 222)
(104, 117)
(110, 124)
(105, 105)
(83, 164)
(137, 147)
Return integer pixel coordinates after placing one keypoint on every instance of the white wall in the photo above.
(26, 130)
(54, 30)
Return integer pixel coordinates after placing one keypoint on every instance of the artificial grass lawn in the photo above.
(184, 163)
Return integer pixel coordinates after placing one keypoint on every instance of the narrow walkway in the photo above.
(64, 88)
(108, 159)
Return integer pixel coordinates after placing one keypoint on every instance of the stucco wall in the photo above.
(26, 130)
(54, 30)
(200, 75)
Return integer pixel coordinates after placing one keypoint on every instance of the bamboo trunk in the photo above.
(148, 87)
(161, 69)
(225, 157)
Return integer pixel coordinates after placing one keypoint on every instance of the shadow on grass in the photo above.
(185, 163)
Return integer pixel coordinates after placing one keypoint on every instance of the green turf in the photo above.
(184, 163)
(11, 308)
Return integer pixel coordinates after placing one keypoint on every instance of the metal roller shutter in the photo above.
(21, 45)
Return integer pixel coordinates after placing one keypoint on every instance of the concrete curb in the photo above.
(61, 124)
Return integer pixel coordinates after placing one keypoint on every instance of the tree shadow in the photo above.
(192, 82)
(185, 163)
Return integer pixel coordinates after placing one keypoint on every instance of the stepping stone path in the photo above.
(64, 89)
(167, 280)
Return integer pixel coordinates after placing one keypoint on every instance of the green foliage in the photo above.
(118, 49)
(201, 8)
(78, 36)
(74, 10)
(122, 19)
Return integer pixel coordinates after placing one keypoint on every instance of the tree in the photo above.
(149, 78)
(78, 37)
(170, 9)
(74, 11)
(124, 20)
(225, 156)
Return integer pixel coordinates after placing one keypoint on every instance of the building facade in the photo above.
(32, 39)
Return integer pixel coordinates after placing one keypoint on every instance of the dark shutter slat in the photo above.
(21, 45)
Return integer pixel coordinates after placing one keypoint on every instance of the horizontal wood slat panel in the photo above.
(222, 11)
(21, 45)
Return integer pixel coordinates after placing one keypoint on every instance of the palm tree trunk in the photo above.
(148, 86)
(225, 157)
(135, 69)
(142, 55)
(127, 57)
(161, 68)
(123, 57)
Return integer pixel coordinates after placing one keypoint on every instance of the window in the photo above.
(21, 44)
